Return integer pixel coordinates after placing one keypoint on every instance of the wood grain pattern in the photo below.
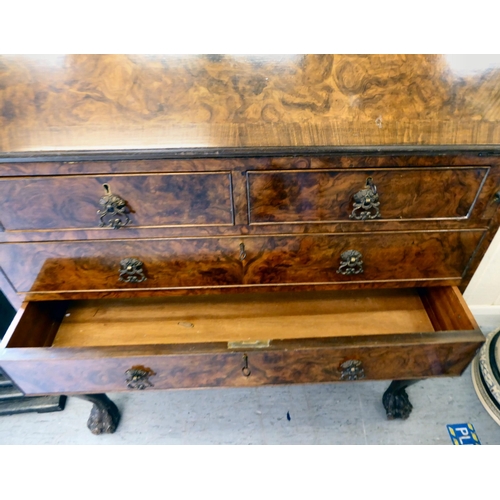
(484, 213)
(42, 203)
(327, 195)
(212, 364)
(177, 136)
(387, 256)
(35, 325)
(92, 265)
(217, 262)
(418, 356)
(447, 309)
(144, 162)
(494, 223)
(248, 317)
(92, 102)
(61, 212)
(230, 290)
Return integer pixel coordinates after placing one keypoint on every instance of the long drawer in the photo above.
(158, 264)
(238, 340)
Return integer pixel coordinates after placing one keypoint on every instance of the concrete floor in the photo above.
(347, 413)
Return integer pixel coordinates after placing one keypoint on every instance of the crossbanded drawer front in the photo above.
(239, 340)
(84, 372)
(378, 257)
(234, 262)
(85, 201)
(329, 195)
(103, 265)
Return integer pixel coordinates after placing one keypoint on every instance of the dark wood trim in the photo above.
(189, 153)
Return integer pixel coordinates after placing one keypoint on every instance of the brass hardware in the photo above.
(243, 254)
(131, 271)
(138, 377)
(350, 262)
(365, 202)
(114, 211)
(245, 344)
(245, 370)
(351, 370)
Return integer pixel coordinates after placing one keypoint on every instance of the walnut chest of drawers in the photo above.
(229, 221)
(241, 271)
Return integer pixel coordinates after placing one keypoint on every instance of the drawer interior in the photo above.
(240, 318)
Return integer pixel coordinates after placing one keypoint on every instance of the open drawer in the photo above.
(96, 346)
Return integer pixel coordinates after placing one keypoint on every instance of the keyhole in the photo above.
(106, 188)
(245, 370)
(243, 254)
(370, 184)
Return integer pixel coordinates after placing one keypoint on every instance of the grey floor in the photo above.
(347, 413)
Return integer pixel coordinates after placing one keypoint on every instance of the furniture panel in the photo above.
(366, 175)
(85, 201)
(209, 341)
(102, 265)
(329, 195)
(387, 256)
(246, 261)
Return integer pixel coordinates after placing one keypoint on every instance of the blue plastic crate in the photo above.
(462, 434)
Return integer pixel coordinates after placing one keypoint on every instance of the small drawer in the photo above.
(116, 201)
(238, 340)
(336, 195)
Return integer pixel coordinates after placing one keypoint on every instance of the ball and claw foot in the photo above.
(397, 405)
(104, 416)
(396, 401)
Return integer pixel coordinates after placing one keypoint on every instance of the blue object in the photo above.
(462, 434)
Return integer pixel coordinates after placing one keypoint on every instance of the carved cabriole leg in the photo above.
(396, 401)
(104, 416)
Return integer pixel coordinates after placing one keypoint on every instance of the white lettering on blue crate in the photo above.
(462, 434)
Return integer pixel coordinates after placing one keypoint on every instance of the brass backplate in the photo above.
(245, 344)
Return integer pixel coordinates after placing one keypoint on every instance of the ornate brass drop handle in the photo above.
(366, 203)
(351, 262)
(352, 369)
(131, 271)
(137, 377)
(114, 210)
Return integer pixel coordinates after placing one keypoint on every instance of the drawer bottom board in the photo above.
(240, 318)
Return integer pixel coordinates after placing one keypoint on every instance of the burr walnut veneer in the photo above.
(272, 251)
